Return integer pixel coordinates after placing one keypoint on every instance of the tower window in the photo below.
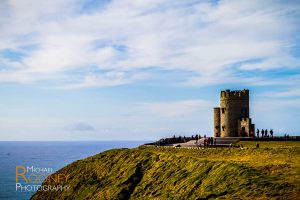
(223, 110)
(244, 112)
(223, 128)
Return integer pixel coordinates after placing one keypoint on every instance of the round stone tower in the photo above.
(234, 105)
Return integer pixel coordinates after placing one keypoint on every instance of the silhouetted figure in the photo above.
(266, 133)
(215, 141)
(262, 133)
(257, 133)
(257, 145)
(271, 132)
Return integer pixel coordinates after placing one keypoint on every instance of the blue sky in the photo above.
(144, 69)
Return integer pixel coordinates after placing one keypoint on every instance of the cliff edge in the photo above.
(173, 173)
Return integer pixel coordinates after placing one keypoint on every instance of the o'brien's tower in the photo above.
(231, 119)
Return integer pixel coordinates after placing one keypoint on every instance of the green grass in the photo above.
(269, 172)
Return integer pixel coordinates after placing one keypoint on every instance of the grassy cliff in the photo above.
(272, 171)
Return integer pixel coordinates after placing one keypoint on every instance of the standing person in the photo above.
(262, 133)
(271, 132)
(215, 141)
(257, 133)
(266, 133)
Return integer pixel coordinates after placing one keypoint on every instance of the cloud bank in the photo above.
(78, 44)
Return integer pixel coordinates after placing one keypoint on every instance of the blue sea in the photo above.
(45, 155)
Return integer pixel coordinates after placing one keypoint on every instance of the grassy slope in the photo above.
(273, 170)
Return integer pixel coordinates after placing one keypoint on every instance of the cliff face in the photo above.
(165, 173)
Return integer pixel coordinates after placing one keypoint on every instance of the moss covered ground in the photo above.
(269, 172)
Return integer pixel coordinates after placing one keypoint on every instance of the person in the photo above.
(266, 133)
(271, 132)
(257, 145)
(215, 141)
(211, 141)
(257, 133)
(174, 138)
(262, 133)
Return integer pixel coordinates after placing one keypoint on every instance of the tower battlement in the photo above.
(234, 94)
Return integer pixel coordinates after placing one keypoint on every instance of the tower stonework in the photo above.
(217, 121)
(231, 119)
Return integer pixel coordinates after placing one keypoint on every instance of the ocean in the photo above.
(44, 157)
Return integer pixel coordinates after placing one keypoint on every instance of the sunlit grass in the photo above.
(271, 171)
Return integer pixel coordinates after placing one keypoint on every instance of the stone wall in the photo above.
(217, 122)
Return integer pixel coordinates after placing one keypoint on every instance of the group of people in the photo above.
(264, 133)
(210, 141)
(178, 139)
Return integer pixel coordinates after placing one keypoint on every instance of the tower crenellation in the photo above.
(234, 94)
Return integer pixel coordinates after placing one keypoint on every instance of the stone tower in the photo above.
(231, 119)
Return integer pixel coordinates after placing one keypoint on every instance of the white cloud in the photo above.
(204, 38)
(291, 92)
